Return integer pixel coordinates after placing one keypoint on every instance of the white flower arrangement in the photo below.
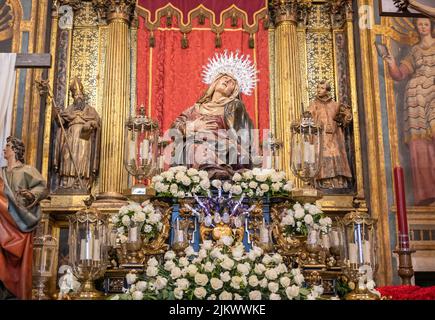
(143, 215)
(218, 273)
(180, 182)
(299, 219)
(259, 183)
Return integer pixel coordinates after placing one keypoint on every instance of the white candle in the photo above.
(131, 150)
(83, 249)
(145, 149)
(366, 251)
(335, 238)
(297, 154)
(96, 255)
(325, 241)
(132, 236)
(353, 253)
(312, 153)
(180, 236)
(162, 162)
(264, 235)
(312, 237)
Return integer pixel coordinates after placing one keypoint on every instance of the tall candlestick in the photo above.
(399, 189)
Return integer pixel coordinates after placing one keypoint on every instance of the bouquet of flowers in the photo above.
(297, 220)
(218, 273)
(259, 183)
(180, 182)
(144, 215)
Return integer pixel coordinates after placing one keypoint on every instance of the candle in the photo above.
(96, 255)
(264, 233)
(132, 235)
(180, 235)
(82, 249)
(145, 149)
(297, 154)
(335, 239)
(131, 150)
(367, 251)
(85, 250)
(325, 241)
(353, 253)
(399, 190)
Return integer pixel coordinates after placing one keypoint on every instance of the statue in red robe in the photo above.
(21, 189)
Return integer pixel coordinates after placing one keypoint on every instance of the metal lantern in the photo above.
(359, 251)
(141, 150)
(306, 154)
(88, 242)
(44, 251)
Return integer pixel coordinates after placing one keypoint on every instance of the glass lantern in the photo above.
(88, 242)
(134, 244)
(141, 150)
(44, 251)
(313, 248)
(265, 237)
(180, 240)
(305, 157)
(359, 252)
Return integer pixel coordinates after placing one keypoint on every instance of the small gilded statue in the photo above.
(76, 155)
(334, 170)
(22, 187)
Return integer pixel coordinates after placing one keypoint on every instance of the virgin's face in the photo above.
(321, 90)
(8, 152)
(423, 26)
(226, 85)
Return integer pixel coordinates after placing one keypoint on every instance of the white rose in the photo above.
(226, 296)
(189, 251)
(288, 220)
(123, 238)
(131, 278)
(201, 279)
(152, 271)
(273, 287)
(209, 267)
(277, 258)
(243, 268)
(226, 240)
(308, 219)
(259, 268)
(186, 181)
(227, 264)
(292, 292)
(192, 172)
(184, 262)
(238, 252)
(264, 187)
(285, 281)
(274, 296)
(153, 262)
(271, 274)
(125, 221)
(253, 184)
(235, 282)
(182, 283)
(255, 295)
(141, 285)
(216, 283)
(137, 295)
(237, 296)
(178, 293)
(263, 283)
(225, 277)
(169, 265)
(212, 297)
(266, 259)
(236, 189)
(207, 245)
(161, 283)
(251, 255)
(237, 177)
(253, 281)
(227, 186)
(170, 255)
(205, 184)
(115, 219)
(217, 184)
(200, 292)
(175, 273)
(192, 270)
(299, 213)
(299, 279)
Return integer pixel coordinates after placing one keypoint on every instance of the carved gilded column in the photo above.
(288, 91)
(116, 96)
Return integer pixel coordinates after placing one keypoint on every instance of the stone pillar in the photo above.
(288, 76)
(116, 96)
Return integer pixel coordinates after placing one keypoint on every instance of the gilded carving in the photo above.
(6, 21)
(115, 9)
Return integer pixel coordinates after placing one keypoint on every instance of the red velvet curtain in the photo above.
(169, 77)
